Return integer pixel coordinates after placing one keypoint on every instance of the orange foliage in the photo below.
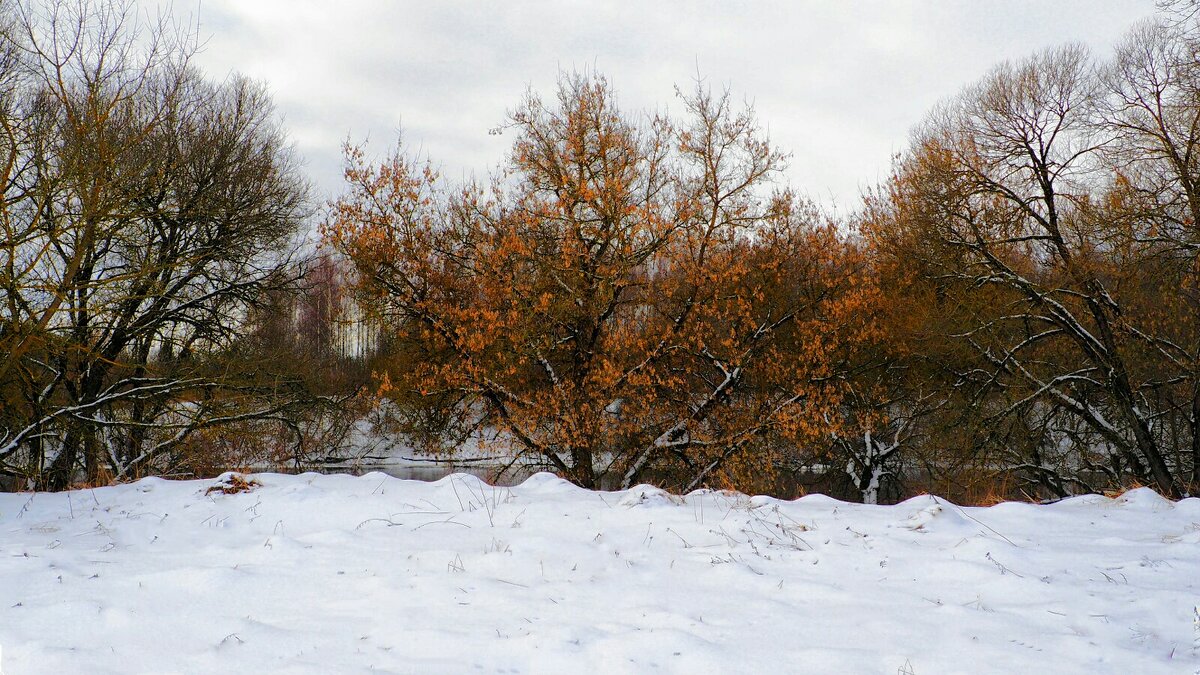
(627, 298)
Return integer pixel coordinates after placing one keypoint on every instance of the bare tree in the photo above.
(147, 211)
(1013, 181)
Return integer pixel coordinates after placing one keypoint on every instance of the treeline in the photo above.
(631, 298)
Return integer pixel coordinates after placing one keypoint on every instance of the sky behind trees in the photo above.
(838, 83)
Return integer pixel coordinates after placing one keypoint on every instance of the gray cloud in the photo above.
(839, 84)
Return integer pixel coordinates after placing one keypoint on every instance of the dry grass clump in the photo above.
(233, 484)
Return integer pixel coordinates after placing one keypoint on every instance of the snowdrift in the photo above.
(322, 574)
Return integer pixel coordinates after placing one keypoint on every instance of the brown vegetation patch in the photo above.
(233, 484)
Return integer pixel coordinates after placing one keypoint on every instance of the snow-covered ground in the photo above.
(325, 574)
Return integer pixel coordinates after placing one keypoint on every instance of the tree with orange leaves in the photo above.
(629, 298)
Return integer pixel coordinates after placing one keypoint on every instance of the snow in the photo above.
(335, 573)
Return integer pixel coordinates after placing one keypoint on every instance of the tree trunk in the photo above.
(581, 465)
(62, 469)
(1194, 488)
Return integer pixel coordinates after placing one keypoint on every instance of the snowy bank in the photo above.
(321, 574)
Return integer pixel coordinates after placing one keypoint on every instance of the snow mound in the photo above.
(648, 495)
(544, 481)
(1189, 506)
(819, 500)
(1144, 498)
(941, 517)
(461, 479)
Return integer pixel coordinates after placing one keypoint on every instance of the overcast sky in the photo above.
(839, 83)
